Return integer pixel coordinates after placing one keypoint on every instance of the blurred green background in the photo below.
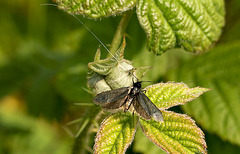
(44, 54)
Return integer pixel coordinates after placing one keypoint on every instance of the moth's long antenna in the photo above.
(91, 33)
(98, 40)
(94, 35)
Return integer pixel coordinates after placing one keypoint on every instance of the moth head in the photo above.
(137, 84)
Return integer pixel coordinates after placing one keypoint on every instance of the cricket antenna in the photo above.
(92, 34)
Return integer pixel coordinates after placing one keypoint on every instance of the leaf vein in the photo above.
(199, 27)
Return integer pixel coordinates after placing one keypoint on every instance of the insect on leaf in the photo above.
(126, 96)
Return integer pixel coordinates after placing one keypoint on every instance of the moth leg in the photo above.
(125, 102)
(128, 104)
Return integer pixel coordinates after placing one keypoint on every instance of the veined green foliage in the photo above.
(116, 133)
(193, 25)
(96, 8)
(177, 134)
(219, 110)
(166, 95)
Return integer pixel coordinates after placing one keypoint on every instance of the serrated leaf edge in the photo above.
(200, 132)
(186, 86)
(103, 123)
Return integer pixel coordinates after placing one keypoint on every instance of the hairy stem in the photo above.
(117, 39)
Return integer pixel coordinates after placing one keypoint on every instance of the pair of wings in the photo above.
(116, 98)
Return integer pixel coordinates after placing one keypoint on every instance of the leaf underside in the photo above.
(193, 25)
(177, 134)
(116, 133)
(166, 95)
(95, 8)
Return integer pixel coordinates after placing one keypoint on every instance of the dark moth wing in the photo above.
(112, 99)
(149, 107)
(140, 109)
(115, 105)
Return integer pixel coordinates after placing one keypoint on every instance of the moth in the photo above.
(127, 96)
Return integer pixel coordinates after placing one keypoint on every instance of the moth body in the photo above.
(127, 96)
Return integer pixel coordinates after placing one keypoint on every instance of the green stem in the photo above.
(117, 39)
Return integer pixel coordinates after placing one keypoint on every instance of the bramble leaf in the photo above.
(177, 134)
(193, 25)
(219, 110)
(166, 95)
(116, 133)
(95, 8)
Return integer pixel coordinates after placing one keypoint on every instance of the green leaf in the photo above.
(219, 110)
(193, 25)
(177, 134)
(166, 95)
(95, 8)
(116, 133)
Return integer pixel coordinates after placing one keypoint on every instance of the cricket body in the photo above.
(127, 96)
